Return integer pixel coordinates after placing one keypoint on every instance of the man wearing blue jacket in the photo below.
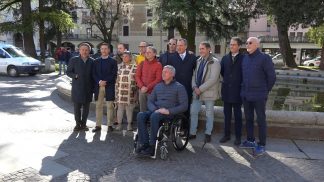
(258, 79)
(104, 74)
(167, 99)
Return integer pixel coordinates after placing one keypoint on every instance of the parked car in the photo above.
(38, 52)
(313, 62)
(14, 62)
(278, 60)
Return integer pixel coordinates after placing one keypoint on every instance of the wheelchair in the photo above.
(175, 131)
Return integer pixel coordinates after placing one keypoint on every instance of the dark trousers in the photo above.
(81, 109)
(228, 107)
(154, 118)
(259, 108)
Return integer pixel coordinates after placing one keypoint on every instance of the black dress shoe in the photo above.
(84, 128)
(110, 129)
(237, 142)
(97, 128)
(207, 138)
(192, 137)
(149, 151)
(76, 128)
(224, 139)
(141, 148)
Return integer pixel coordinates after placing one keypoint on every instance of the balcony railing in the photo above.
(84, 37)
(292, 39)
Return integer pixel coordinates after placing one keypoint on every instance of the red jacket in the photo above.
(148, 74)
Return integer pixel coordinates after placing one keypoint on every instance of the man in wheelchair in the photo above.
(167, 99)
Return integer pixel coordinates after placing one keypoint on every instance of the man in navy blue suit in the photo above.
(185, 64)
(104, 75)
(231, 71)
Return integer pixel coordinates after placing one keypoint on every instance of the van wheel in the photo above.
(12, 71)
(32, 74)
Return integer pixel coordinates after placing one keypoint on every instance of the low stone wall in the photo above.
(281, 124)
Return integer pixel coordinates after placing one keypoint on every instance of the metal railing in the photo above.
(292, 39)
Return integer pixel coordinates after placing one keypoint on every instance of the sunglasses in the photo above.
(171, 44)
(248, 43)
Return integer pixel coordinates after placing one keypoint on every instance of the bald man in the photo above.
(258, 78)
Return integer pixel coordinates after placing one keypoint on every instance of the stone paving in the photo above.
(37, 144)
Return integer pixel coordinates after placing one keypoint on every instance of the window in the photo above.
(89, 32)
(217, 49)
(299, 34)
(84, 19)
(125, 30)
(149, 13)
(149, 31)
(292, 34)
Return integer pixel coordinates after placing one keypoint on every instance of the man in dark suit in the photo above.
(80, 69)
(185, 64)
(231, 71)
(104, 75)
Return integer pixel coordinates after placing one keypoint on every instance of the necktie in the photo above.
(182, 57)
(200, 72)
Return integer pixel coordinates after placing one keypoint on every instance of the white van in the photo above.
(14, 62)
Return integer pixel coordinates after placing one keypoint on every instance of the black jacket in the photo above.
(82, 82)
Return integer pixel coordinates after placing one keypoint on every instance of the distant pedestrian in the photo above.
(104, 75)
(62, 55)
(80, 70)
(258, 79)
(231, 71)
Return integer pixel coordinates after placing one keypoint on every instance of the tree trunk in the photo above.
(322, 58)
(284, 45)
(29, 46)
(170, 33)
(42, 41)
(191, 35)
(58, 38)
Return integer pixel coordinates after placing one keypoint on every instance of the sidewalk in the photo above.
(37, 144)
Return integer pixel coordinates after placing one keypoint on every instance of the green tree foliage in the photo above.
(216, 18)
(316, 34)
(292, 13)
(27, 21)
(105, 14)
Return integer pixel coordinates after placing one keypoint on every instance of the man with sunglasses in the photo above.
(172, 48)
(258, 79)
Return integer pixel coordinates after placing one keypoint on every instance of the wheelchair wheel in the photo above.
(180, 134)
(163, 152)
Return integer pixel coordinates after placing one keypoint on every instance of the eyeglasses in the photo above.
(248, 43)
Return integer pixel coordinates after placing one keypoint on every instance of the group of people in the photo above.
(177, 82)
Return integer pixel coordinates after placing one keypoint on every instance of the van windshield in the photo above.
(14, 52)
